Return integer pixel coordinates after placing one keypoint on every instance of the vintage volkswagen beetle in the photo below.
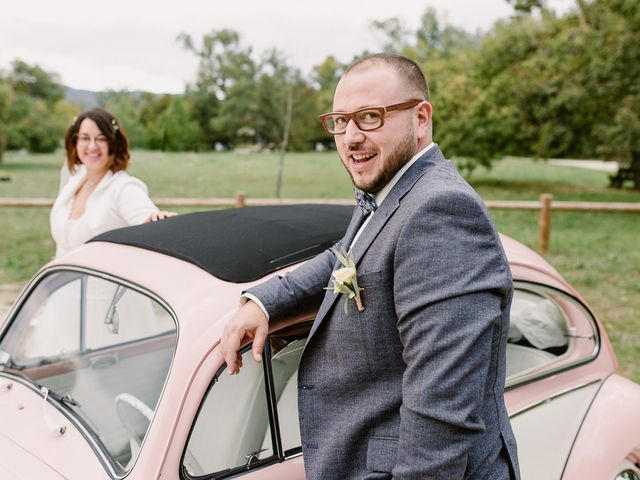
(109, 366)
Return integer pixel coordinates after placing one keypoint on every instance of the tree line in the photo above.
(537, 84)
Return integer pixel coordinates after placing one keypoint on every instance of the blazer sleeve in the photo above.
(284, 295)
(133, 204)
(451, 287)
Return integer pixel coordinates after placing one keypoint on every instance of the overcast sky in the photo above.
(131, 44)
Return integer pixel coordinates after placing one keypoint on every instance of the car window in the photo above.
(548, 331)
(105, 345)
(286, 353)
(234, 429)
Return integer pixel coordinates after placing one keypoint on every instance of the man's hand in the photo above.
(248, 322)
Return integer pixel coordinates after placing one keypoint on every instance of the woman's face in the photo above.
(93, 148)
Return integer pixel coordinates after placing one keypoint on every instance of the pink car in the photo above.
(110, 367)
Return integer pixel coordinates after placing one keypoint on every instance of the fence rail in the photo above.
(545, 206)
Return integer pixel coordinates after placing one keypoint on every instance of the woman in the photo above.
(99, 194)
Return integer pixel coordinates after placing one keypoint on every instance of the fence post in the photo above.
(544, 223)
(240, 199)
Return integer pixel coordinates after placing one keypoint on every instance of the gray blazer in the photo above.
(412, 387)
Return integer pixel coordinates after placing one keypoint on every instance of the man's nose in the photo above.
(352, 133)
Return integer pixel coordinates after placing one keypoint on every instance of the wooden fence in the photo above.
(544, 205)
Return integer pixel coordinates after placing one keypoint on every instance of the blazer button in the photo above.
(306, 387)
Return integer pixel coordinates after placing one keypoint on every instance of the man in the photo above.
(411, 386)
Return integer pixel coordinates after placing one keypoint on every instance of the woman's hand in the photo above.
(155, 216)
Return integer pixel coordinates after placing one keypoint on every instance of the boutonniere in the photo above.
(345, 280)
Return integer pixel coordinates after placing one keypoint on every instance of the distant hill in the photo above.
(88, 99)
(85, 98)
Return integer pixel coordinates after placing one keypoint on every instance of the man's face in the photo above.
(373, 157)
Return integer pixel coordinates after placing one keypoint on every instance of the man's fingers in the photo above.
(249, 322)
(258, 343)
(230, 345)
(233, 367)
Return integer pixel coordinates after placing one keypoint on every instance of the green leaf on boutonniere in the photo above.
(345, 280)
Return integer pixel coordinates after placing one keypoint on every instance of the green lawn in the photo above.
(596, 251)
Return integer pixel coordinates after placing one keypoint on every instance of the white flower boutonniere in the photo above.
(345, 280)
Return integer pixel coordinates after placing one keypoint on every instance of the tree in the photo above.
(29, 97)
(224, 65)
(526, 6)
(34, 82)
(446, 53)
(174, 128)
(276, 83)
(6, 99)
(394, 33)
(579, 79)
(41, 130)
(127, 107)
(241, 100)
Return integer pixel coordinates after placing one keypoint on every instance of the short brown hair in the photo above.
(408, 70)
(110, 127)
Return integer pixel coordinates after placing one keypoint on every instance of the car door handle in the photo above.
(103, 361)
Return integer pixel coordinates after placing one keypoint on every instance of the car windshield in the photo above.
(104, 347)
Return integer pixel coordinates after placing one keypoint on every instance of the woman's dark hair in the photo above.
(110, 128)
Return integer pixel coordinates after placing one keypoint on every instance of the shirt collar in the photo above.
(382, 194)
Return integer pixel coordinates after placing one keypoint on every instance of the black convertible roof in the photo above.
(241, 244)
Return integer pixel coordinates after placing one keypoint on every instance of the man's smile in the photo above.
(360, 158)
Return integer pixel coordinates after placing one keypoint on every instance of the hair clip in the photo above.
(114, 123)
(74, 120)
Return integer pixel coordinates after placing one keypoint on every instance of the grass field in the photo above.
(598, 252)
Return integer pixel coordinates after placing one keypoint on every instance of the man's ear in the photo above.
(425, 111)
(423, 118)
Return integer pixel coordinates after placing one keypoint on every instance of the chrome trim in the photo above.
(105, 457)
(293, 455)
(554, 397)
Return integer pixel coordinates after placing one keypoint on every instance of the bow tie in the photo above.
(365, 201)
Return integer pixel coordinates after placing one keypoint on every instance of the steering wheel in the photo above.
(135, 416)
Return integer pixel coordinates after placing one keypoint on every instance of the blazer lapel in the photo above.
(393, 199)
(69, 189)
(357, 220)
(378, 221)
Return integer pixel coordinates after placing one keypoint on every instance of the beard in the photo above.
(397, 159)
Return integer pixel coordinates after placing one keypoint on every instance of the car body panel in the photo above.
(16, 463)
(558, 418)
(25, 432)
(610, 432)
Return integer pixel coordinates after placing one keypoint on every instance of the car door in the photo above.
(551, 336)
(247, 424)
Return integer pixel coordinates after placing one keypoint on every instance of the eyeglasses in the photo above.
(366, 119)
(100, 140)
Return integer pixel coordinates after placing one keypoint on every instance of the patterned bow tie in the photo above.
(365, 201)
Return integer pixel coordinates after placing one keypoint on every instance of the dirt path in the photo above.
(611, 167)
